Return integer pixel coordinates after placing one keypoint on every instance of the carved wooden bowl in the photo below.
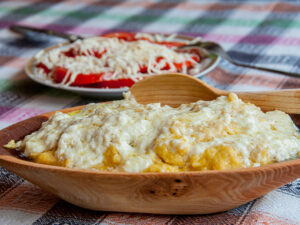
(197, 192)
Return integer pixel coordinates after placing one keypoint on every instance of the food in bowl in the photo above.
(117, 60)
(126, 136)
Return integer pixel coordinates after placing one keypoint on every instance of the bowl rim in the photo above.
(15, 160)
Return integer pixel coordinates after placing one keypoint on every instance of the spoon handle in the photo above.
(285, 100)
(28, 31)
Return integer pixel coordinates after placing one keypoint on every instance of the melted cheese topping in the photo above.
(122, 59)
(127, 136)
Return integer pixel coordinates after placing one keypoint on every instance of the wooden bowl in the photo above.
(197, 192)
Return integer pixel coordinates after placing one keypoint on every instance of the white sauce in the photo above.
(135, 130)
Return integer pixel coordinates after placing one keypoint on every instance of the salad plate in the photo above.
(210, 61)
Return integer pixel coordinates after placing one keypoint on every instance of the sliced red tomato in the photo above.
(178, 65)
(91, 80)
(169, 44)
(143, 69)
(99, 54)
(166, 66)
(81, 79)
(187, 63)
(71, 53)
(44, 67)
(131, 37)
(124, 82)
(121, 35)
(60, 74)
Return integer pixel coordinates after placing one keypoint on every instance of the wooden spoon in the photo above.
(175, 89)
(196, 192)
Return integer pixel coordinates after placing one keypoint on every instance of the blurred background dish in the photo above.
(207, 62)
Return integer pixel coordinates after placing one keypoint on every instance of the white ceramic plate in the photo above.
(212, 62)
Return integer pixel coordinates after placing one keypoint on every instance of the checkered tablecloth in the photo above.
(257, 32)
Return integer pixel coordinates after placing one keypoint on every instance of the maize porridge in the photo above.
(126, 136)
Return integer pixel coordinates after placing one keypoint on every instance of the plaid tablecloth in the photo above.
(258, 32)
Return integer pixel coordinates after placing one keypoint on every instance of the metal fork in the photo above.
(32, 32)
(217, 49)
